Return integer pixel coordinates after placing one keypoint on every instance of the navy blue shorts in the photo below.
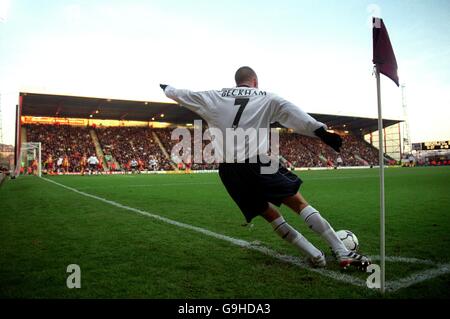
(253, 191)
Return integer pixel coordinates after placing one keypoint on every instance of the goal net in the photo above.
(29, 162)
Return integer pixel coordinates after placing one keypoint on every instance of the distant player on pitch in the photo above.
(257, 194)
(93, 163)
(83, 164)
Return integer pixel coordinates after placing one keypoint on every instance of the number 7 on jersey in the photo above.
(242, 102)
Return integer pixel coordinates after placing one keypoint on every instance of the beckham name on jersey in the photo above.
(241, 92)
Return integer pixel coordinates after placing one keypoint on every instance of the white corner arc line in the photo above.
(418, 277)
(239, 242)
(406, 260)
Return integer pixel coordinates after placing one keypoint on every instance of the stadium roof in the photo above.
(66, 106)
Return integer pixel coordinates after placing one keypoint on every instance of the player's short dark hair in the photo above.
(244, 74)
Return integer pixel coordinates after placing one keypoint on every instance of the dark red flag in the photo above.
(383, 54)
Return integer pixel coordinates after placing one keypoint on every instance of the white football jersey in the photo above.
(243, 108)
(92, 160)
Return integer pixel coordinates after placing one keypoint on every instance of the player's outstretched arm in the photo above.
(195, 101)
(331, 139)
(292, 116)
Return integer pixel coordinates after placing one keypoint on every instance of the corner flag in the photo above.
(383, 54)
(385, 63)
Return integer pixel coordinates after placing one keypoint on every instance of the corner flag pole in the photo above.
(385, 63)
(381, 162)
(40, 160)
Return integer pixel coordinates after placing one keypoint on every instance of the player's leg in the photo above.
(292, 236)
(238, 180)
(320, 225)
(315, 221)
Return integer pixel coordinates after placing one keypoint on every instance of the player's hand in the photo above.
(331, 139)
(163, 86)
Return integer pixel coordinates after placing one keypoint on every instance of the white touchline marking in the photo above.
(390, 285)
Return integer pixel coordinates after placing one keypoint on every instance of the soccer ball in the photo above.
(349, 239)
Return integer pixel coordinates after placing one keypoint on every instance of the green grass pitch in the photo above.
(122, 254)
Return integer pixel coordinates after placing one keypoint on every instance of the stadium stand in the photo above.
(61, 140)
(123, 144)
(127, 143)
(120, 144)
(165, 138)
(304, 151)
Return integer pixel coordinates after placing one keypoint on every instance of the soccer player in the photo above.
(329, 162)
(65, 164)
(126, 167)
(339, 161)
(59, 163)
(83, 164)
(34, 165)
(140, 165)
(153, 163)
(100, 165)
(112, 167)
(93, 162)
(245, 106)
(133, 165)
(49, 165)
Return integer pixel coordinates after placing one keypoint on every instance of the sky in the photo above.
(317, 54)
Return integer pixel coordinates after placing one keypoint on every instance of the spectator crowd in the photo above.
(305, 151)
(124, 145)
(62, 140)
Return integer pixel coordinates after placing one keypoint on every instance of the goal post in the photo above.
(30, 159)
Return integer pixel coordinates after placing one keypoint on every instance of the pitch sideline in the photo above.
(391, 285)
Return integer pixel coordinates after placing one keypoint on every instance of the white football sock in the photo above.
(285, 231)
(319, 225)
